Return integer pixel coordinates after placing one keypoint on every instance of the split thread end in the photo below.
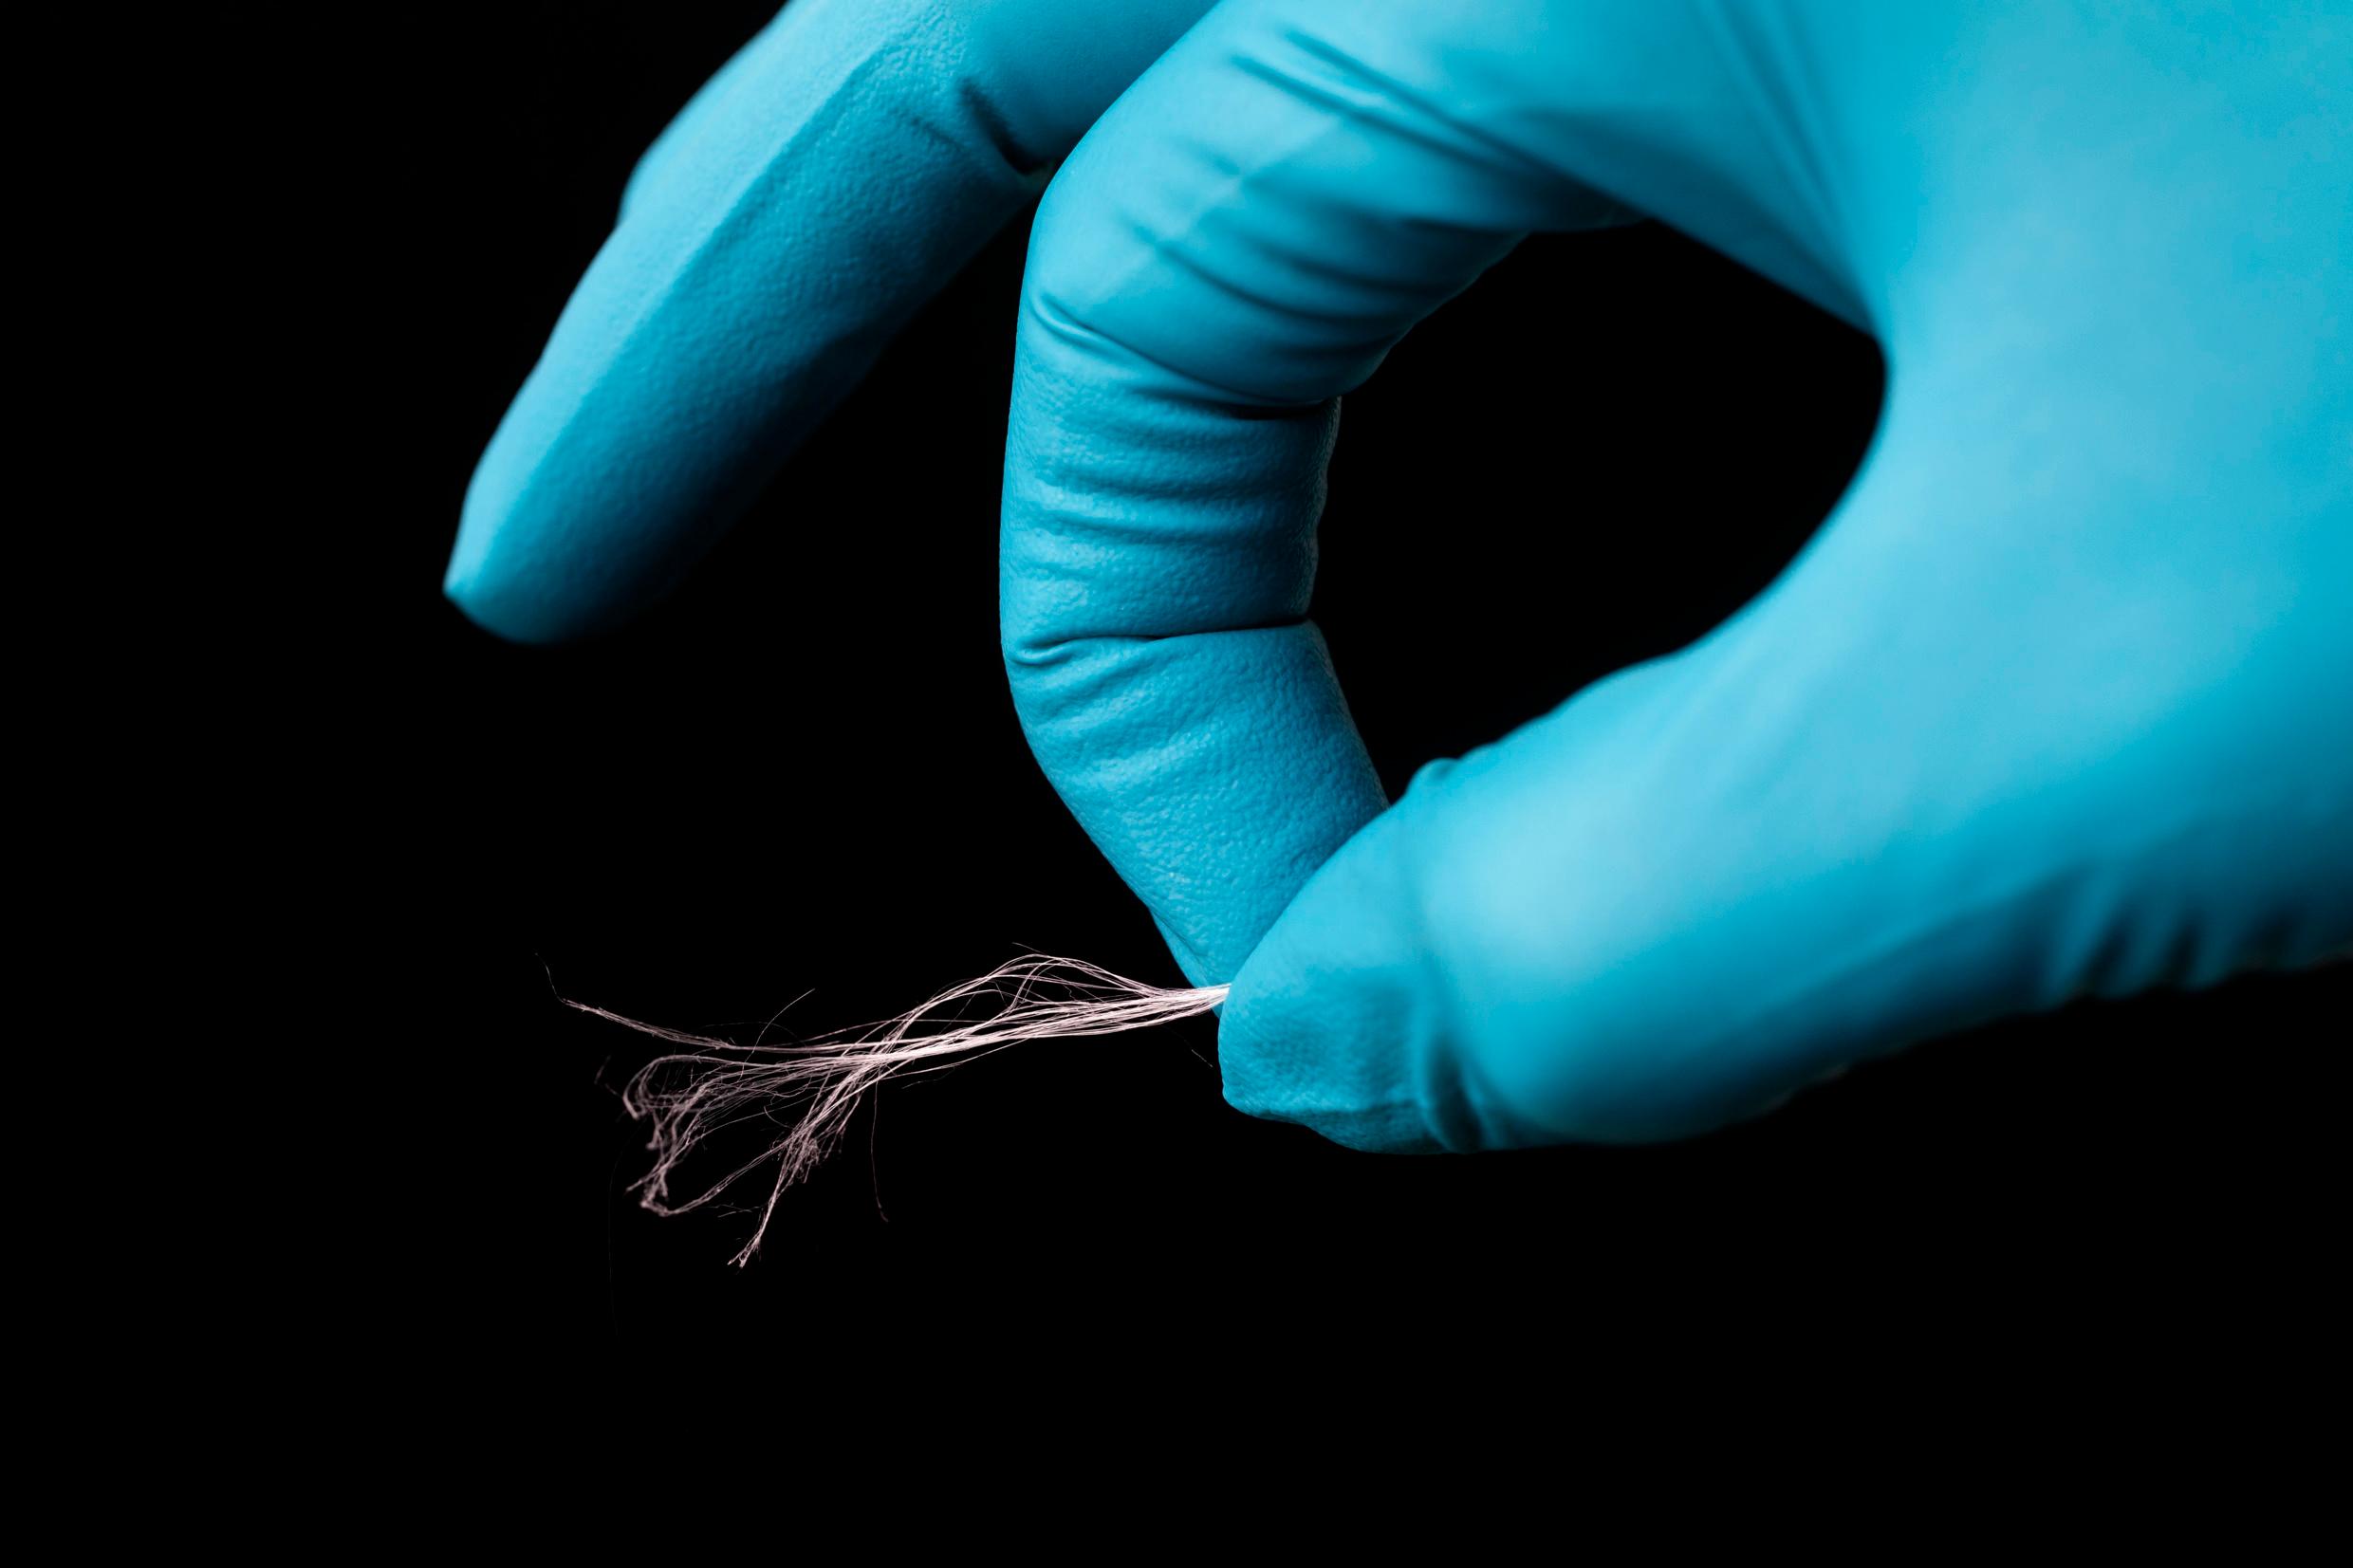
(812, 1087)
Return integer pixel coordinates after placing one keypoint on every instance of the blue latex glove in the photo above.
(2060, 701)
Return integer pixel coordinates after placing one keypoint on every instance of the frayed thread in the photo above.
(811, 1088)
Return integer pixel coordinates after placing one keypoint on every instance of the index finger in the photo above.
(1242, 239)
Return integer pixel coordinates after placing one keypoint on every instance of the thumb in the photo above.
(1937, 775)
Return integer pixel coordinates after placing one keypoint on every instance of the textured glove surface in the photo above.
(2060, 701)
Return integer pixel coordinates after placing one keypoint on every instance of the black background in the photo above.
(802, 774)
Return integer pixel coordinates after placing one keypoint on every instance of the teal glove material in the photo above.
(823, 185)
(2059, 702)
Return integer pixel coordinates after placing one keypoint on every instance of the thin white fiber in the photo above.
(811, 1088)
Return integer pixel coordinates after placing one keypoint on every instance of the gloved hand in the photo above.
(2060, 701)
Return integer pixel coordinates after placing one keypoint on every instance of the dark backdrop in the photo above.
(803, 775)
